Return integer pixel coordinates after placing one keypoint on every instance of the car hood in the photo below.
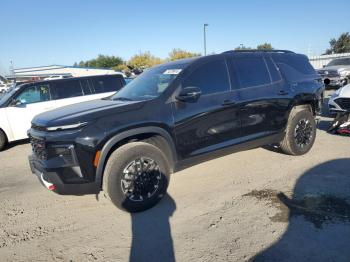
(338, 68)
(84, 112)
(345, 91)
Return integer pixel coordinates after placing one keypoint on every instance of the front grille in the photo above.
(39, 147)
(328, 73)
(38, 128)
(344, 103)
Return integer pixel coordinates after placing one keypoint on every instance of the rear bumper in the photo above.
(51, 180)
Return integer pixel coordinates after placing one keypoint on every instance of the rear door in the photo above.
(212, 121)
(263, 96)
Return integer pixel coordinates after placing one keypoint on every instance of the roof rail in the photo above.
(257, 51)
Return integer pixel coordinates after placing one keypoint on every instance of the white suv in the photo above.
(22, 103)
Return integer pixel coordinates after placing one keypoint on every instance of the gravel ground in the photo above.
(256, 205)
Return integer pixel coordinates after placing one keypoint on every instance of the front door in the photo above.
(211, 122)
(33, 100)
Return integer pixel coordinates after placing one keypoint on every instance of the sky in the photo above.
(37, 32)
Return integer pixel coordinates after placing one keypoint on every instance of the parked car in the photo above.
(22, 103)
(172, 116)
(336, 73)
(339, 102)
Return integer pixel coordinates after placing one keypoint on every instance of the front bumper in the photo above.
(334, 81)
(52, 179)
(334, 107)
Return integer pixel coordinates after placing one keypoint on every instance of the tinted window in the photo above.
(34, 94)
(106, 84)
(252, 71)
(299, 63)
(85, 85)
(275, 75)
(211, 78)
(66, 89)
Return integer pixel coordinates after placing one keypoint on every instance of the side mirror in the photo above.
(16, 102)
(189, 94)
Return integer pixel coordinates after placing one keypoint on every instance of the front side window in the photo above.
(252, 71)
(66, 89)
(34, 94)
(210, 78)
(151, 83)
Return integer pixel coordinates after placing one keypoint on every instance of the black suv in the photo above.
(175, 115)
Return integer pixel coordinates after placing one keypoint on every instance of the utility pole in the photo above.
(205, 38)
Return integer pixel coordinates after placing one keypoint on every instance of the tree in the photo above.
(265, 46)
(178, 53)
(340, 45)
(102, 61)
(242, 47)
(144, 60)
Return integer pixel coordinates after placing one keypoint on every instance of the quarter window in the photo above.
(210, 78)
(34, 94)
(252, 71)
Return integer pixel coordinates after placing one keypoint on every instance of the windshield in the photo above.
(342, 61)
(9, 93)
(150, 84)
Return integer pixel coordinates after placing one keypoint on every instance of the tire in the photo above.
(296, 122)
(3, 140)
(126, 160)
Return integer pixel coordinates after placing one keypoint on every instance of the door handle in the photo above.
(228, 103)
(282, 93)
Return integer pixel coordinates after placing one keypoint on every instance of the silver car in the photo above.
(336, 73)
(340, 100)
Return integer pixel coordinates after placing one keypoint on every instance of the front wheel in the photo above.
(3, 140)
(136, 176)
(300, 133)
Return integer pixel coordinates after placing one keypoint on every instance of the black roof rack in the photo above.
(257, 51)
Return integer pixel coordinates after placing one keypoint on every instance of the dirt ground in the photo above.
(256, 205)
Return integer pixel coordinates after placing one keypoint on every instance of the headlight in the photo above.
(66, 127)
(342, 73)
(337, 93)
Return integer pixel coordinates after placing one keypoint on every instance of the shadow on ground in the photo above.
(318, 214)
(151, 233)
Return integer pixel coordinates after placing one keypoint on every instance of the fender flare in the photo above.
(132, 132)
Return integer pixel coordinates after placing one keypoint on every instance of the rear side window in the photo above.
(106, 84)
(211, 77)
(275, 75)
(66, 89)
(251, 71)
(85, 85)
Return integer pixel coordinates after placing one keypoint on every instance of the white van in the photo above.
(22, 103)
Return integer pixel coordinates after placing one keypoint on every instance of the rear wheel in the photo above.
(136, 176)
(3, 140)
(300, 133)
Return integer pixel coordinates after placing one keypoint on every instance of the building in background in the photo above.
(55, 71)
(322, 60)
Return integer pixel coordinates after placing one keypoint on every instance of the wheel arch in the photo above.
(136, 134)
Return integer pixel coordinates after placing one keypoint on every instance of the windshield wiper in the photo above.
(122, 99)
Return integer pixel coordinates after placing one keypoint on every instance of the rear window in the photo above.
(106, 84)
(251, 71)
(66, 89)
